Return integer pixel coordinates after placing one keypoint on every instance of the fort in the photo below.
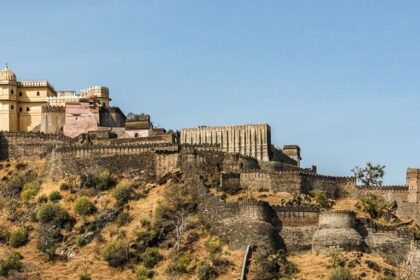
(79, 133)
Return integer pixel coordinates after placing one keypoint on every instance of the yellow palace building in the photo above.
(21, 101)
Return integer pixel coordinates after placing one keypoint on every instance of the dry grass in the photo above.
(313, 266)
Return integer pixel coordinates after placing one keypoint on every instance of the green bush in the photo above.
(204, 271)
(180, 264)
(13, 186)
(213, 246)
(42, 199)
(53, 213)
(65, 186)
(18, 237)
(115, 253)
(151, 257)
(55, 196)
(49, 237)
(341, 273)
(12, 262)
(123, 218)
(320, 198)
(30, 190)
(122, 194)
(85, 276)
(4, 234)
(147, 238)
(143, 273)
(101, 181)
(371, 204)
(83, 206)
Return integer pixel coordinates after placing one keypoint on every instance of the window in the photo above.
(20, 93)
(20, 109)
(12, 107)
(27, 109)
(136, 135)
(11, 91)
(37, 93)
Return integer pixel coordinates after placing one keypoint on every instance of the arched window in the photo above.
(20, 93)
(27, 109)
(11, 91)
(20, 109)
(37, 93)
(12, 107)
(136, 135)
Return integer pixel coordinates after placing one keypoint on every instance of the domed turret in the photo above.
(7, 75)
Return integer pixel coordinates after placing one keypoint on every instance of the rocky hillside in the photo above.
(118, 226)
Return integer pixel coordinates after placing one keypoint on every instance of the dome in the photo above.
(7, 74)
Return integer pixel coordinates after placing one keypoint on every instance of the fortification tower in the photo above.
(8, 100)
(413, 183)
(102, 93)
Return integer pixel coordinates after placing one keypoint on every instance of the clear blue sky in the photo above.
(339, 78)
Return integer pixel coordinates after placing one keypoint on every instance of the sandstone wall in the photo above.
(248, 140)
(15, 145)
(150, 161)
(52, 119)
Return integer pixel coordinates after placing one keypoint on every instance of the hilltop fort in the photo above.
(81, 132)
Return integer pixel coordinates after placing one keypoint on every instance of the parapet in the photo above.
(53, 109)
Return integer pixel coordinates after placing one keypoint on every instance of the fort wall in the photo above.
(52, 119)
(15, 145)
(248, 140)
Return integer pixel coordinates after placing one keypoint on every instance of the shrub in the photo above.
(267, 266)
(4, 234)
(65, 186)
(83, 206)
(30, 190)
(320, 198)
(100, 181)
(55, 196)
(49, 237)
(12, 262)
(151, 257)
(180, 264)
(122, 194)
(123, 218)
(341, 273)
(21, 165)
(146, 238)
(204, 271)
(213, 246)
(371, 204)
(13, 186)
(85, 276)
(115, 253)
(18, 237)
(143, 273)
(42, 199)
(53, 213)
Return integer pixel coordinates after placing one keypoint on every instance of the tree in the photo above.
(370, 175)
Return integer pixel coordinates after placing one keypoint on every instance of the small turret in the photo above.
(413, 183)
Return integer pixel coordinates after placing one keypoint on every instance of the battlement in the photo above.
(37, 135)
(343, 178)
(390, 188)
(115, 149)
(53, 109)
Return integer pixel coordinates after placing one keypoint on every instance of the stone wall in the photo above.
(239, 224)
(334, 187)
(248, 140)
(52, 119)
(336, 232)
(149, 162)
(111, 117)
(15, 145)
